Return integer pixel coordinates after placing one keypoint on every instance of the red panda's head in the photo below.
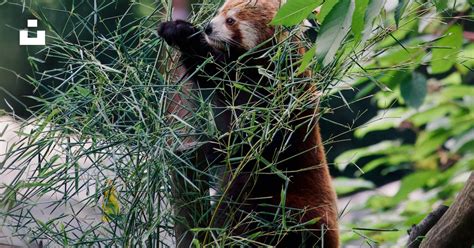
(242, 23)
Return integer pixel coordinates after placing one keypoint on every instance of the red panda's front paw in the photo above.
(176, 33)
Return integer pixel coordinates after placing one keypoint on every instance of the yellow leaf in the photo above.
(110, 203)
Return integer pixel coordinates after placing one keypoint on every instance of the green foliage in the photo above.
(333, 30)
(336, 18)
(441, 5)
(358, 19)
(348, 185)
(400, 10)
(294, 11)
(413, 89)
(373, 10)
(104, 131)
(326, 8)
(428, 114)
(446, 49)
(306, 60)
(364, 15)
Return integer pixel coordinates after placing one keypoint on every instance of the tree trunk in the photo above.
(456, 226)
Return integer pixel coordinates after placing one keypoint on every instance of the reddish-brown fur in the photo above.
(311, 189)
(251, 11)
(304, 162)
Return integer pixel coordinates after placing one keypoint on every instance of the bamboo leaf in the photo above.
(333, 31)
(325, 9)
(294, 12)
(306, 60)
(373, 10)
(358, 19)
(402, 5)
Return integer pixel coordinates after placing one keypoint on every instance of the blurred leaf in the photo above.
(373, 10)
(385, 100)
(456, 92)
(197, 244)
(333, 31)
(466, 58)
(394, 157)
(345, 185)
(364, 15)
(294, 12)
(449, 191)
(401, 56)
(428, 115)
(414, 89)
(384, 120)
(410, 25)
(415, 207)
(427, 163)
(382, 237)
(358, 19)
(353, 155)
(462, 123)
(445, 54)
(402, 5)
(464, 142)
(415, 218)
(8, 198)
(83, 91)
(365, 90)
(410, 183)
(312, 221)
(454, 78)
(378, 202)
(429, 142)
(441, 5)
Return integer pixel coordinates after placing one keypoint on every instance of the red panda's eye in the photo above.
(230, 21)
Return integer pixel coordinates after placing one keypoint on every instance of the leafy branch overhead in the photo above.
(334, 30)
(337, 18)
(424, 124)
(294, 12)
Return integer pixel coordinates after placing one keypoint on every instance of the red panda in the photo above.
(239, 35)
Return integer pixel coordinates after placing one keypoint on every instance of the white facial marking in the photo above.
(249, 35)
(221, 34)
(219, 29)
(232, 12)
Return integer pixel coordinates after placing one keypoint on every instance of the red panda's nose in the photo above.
(208, 29)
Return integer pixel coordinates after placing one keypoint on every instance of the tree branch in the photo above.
(418, 231)
(455, 228)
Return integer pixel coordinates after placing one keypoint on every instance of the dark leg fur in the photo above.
(314, 184)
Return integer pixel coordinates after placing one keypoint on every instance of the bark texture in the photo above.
(456, 226)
